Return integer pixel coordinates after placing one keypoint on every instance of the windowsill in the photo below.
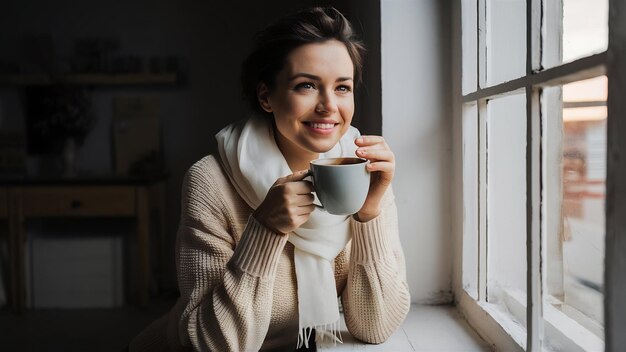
(492, 324)
(500, 327)
(428, 328)
(559, 328)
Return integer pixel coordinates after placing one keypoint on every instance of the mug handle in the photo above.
(310, 173)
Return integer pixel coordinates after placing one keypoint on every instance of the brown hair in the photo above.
(274, 43)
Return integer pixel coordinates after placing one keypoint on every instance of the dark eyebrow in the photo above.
(316, 78)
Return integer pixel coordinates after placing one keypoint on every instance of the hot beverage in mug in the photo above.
(341, 184)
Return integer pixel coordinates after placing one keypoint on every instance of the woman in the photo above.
(247, 282)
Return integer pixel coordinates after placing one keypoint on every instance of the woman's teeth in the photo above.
(324, 126)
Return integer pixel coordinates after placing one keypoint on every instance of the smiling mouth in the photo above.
(321, 126)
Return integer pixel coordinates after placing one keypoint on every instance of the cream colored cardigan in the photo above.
(237, 278)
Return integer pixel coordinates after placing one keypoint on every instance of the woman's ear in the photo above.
(263, 95)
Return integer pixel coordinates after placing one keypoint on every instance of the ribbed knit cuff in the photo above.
(369, 242)
(259, 249)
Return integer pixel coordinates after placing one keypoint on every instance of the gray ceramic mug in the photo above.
(341, 184)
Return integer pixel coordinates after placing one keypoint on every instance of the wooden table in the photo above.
(24, 198)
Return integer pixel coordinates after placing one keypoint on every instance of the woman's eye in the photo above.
(305, 85)
(344, 88)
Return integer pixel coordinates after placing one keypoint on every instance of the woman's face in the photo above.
(312, 100)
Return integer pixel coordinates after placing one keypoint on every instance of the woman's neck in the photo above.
(297, 158)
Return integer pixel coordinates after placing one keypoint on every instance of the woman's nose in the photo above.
(326, 104)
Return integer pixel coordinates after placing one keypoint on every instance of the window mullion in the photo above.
(482, 152)
(581, 69)
(482, 200)
(533, 36)
(482, 44)
(534, 305)
(551, 33)
(614, 304)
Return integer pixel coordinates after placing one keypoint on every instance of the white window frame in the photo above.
(490, 322)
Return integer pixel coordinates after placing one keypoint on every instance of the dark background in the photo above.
(208, 38)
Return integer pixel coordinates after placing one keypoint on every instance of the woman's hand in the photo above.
(288, 204)
(382, 167)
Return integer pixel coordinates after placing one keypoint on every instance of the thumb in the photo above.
(296, 176)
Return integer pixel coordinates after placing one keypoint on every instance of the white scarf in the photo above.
(253, 162)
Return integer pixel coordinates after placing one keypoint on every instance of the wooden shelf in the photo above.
(42, 79)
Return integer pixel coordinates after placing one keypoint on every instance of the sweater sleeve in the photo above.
(376, 298)
(227, 291)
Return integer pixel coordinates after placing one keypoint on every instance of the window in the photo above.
(576, 145)
(535, 155)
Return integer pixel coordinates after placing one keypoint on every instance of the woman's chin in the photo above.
(319, 145)
(321, 148)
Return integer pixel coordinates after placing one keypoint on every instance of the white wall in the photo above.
(416, 104)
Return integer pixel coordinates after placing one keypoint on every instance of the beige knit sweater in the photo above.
(237, 278)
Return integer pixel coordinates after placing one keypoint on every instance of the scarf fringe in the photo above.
(330, 330)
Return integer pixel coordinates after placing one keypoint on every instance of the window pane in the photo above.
(575, 244)
(506, 203)
(506, 40)
(469, 39)
(470, 199)
(574, 29)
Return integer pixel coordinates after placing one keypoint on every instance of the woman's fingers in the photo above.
(369, 140)
(296, 176)
(306, 209)
(295, 184)
(301, 187)
(381, 166)
(303, 199)
(374, 148)
(375, 154)
(382, 163)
